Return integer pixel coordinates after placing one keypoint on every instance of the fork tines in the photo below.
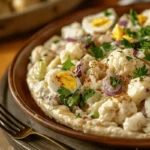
(8, 122)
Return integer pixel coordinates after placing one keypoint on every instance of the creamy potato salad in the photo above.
(95, 77)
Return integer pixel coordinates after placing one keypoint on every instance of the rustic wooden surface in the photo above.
(10, 46)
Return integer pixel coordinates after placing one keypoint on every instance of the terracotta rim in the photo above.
(51, 124)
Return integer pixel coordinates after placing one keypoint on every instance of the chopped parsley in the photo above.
(145, 31)
(133, 15)
(55, 41)
(144, 45)
(141, 79)
(69, 99)
(120, 51)
(126, 43)
(67, 64)
(86, 94)
(78, 115)
(147, 57)
(140, 71)
(74, 99)
(128, 58)
(99, 52)
(107, 13)
(114, 81)
(63, 93)
(131, 33)
(45, 54)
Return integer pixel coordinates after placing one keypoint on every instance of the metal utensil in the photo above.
(18, 130)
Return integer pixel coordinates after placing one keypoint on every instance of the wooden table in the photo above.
(10, 46)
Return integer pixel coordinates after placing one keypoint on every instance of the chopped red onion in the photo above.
(117, 43)
(135, 52)
(71, 39)
(123, 23)
(108, 89)
(78, 71)
(147, 90)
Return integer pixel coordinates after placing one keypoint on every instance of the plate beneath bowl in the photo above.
(19, 88)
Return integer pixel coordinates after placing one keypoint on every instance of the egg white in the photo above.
(87, 26)
(53, 84)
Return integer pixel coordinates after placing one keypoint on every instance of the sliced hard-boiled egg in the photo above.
(57, 78)
(99, 23)
(142, 19)
(117, 32)
(129, 38)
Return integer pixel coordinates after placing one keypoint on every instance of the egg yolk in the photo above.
(127, 37)
(117, 32)
(142, 19)
(66, 80)
(98, 22)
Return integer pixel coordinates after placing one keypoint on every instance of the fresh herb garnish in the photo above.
(131, 33)
(134, 18)
(64, 93)
(126, 43)
(107, 13)
(147, 57)
(45, 54)
(114, 81)
(145, 31)
(74, 99)
(128, 58)
(78, 115)
(86, 94)
(55, 41)
(69, 98)
(141, 79)
(144, 45)
(140, 71)
(67, 64)
(99, 52)
(120, 51)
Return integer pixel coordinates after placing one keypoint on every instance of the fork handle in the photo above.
(60, 145)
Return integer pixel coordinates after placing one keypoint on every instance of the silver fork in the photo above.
(18, 130)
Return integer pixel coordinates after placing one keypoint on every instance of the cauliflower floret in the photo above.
(117, 108)
(94, 98)
(73, 30)
(92, 83)
(41, 53)
(134, 123)
(119, 63)
(74, 50)
(147, 14)
(55, 44)
(38, 71)
(97, 69)
(104, 38)
(138, 89)
(56, 61)
(146, 129)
